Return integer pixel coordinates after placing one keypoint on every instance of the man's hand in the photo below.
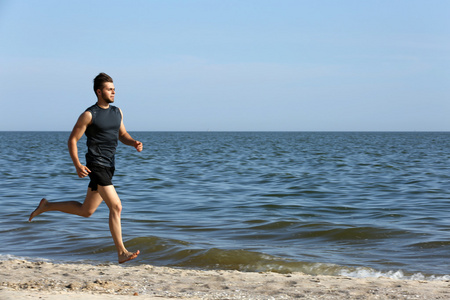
(82, 171)
(138, 145)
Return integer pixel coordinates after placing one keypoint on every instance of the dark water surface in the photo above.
(357, 203)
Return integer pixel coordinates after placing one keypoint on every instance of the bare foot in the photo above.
(128, 256)
(39, 210)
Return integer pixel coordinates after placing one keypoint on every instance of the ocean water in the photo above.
(350, 203)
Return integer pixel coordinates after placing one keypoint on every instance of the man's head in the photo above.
(104, 87)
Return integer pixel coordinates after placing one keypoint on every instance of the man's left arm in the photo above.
(126, 138)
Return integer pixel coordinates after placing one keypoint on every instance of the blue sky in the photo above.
(229, 65)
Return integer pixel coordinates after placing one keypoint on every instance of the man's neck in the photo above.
(102, 104)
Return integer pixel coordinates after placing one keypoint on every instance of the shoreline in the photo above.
(22, 279)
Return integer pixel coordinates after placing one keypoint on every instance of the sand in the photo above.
(21, 279)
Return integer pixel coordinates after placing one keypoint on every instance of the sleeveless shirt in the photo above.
(102, 135)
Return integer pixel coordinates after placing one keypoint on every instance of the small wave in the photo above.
(352, 233)
(371, 273)
(4, 257)
(177, 253)
(152, 179)
(431, 245)
(276, 225)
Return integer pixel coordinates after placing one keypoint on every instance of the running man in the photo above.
(103, 125)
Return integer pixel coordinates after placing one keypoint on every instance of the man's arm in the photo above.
(77, 132)
(126, 138)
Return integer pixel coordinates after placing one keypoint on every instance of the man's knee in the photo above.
(87, 213)
(116, 208)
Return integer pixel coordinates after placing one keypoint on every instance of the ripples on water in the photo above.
(320, 203)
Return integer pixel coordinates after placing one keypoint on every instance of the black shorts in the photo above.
(100, 175)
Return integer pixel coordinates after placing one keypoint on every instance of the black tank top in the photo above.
(102, 135)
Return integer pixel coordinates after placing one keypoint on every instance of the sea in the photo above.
(360, 204)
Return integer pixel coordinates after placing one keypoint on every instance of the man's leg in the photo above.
(89, 206)
(109, 195)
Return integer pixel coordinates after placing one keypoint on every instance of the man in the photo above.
(103, 125)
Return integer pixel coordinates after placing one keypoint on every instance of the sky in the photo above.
(237, 65)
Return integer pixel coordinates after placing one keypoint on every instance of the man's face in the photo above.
(108, 92)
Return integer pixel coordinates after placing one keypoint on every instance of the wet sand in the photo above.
(21, 279)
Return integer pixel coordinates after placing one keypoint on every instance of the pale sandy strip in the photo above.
(47, 281)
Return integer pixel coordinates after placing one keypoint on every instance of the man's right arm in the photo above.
(78, 130)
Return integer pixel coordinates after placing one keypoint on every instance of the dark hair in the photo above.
(100, 79)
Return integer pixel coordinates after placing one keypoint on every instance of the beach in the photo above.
(23, 279)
